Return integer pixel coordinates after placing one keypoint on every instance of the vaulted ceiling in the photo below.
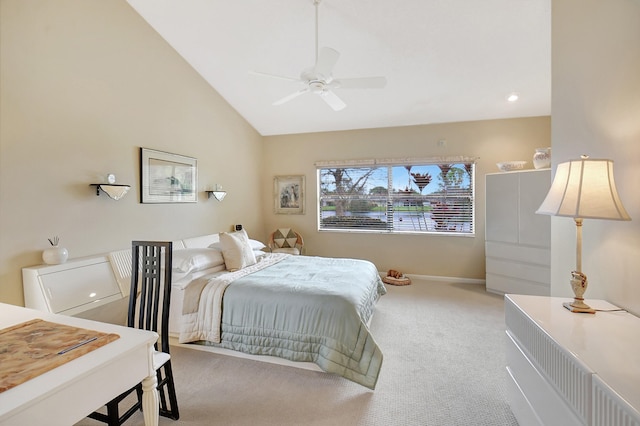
(443, 60)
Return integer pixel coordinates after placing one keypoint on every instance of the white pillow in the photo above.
(176, 276)
(195, 259)
(236, 251)
(255, 244)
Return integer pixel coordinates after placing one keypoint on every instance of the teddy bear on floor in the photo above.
(394, 274)
(396, 278)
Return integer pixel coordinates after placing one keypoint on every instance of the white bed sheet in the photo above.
(177, 296)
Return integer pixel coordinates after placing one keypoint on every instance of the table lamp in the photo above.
(583, 189)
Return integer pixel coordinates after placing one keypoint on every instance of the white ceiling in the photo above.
(444, 60)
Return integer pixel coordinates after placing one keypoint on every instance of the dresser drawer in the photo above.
(531, 386)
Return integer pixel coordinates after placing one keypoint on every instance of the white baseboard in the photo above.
(457, 280)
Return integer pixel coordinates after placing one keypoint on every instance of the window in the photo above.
(410, 196)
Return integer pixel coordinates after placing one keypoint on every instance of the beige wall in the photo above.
(84, 84)
(491, 141)
(596, 111)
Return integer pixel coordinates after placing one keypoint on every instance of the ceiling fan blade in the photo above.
(291, 96)
(360, 83)
(332, 100)
(280, 77)
(327, 58)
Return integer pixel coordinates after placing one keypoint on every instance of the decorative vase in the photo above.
(55, 255)
(542, 158)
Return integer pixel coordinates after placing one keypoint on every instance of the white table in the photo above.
(68, 393)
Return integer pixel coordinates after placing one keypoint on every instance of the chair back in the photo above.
(151, 288)
(285, 238)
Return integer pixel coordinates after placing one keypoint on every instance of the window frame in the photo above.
(463, 221)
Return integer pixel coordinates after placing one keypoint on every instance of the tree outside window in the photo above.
(420, 198)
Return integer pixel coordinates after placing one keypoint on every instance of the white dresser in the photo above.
(571, 369)
(517, 240)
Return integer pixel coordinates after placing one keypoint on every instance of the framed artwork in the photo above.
(288, 194)
(167, 178)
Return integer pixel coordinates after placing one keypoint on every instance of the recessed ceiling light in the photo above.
(513, 97)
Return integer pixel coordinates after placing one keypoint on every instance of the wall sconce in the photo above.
(218, 193)
(113, 190)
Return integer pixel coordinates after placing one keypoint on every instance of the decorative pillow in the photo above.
(195, 259)
(236, 251)
(285, 238)
(255, 244)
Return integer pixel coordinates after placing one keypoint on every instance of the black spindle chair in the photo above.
(148, 304)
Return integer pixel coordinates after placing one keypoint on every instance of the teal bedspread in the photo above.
(310, 309)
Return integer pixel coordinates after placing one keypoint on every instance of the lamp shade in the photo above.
(584, 188)
(219, 195)
(115, 191)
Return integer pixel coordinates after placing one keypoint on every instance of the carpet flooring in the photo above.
(443, 346)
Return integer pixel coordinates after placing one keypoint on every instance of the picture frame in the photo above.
(289, 194)
(167, 178)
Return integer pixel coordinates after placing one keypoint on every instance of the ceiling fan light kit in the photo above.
(319, 79)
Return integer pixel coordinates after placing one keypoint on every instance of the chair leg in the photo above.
(162, 381)
(171, 411)
(113, 417)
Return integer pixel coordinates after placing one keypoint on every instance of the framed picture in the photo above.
(288, 194)
(167, 178)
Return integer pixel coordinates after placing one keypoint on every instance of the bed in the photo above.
(298, 308)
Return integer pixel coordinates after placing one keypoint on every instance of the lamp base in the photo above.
(574, 307)
(579, 286)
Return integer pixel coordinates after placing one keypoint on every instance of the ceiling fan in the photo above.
(319, 79)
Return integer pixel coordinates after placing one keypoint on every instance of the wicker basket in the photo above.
(397, 281)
